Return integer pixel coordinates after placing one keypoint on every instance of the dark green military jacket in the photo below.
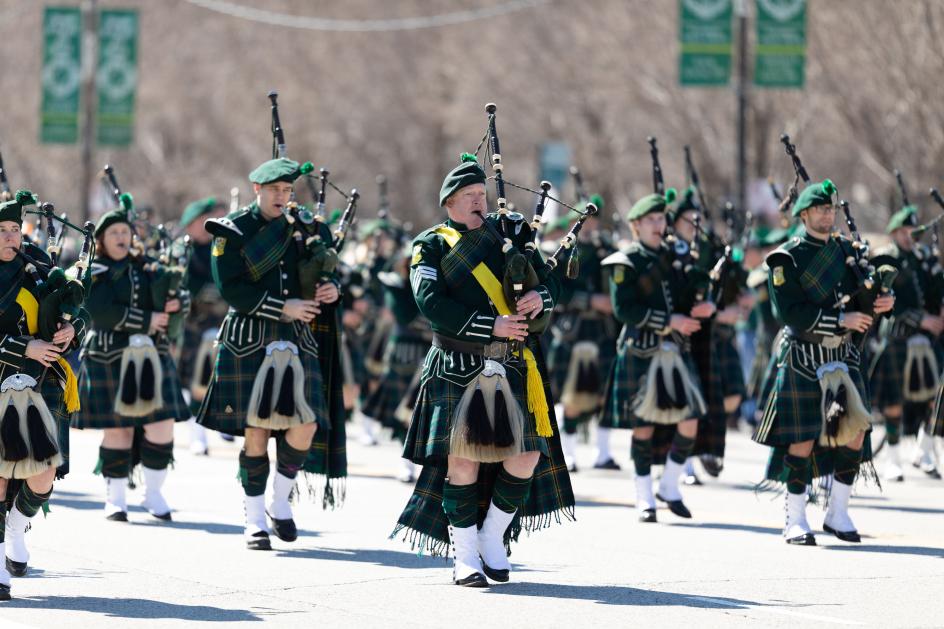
(447, 293)
(264, 297)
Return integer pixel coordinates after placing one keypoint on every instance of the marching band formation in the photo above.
(485, 344)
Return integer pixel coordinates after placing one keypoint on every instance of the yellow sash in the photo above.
(537, 402)
(31, 309)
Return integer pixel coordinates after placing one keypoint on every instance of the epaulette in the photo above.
(223, 227)
(619, 257)
(98, 268)
(757, 277)
(391, 279)
(783, 250)
(890, 249)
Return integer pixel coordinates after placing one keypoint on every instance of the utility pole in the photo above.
(89, 63)
(741, 88)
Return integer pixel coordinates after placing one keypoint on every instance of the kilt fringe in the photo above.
(581, 389)
(333, 491)
(139, 362)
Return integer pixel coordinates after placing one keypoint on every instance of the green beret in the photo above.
(649, 204)
(905, 217)
(375, 225)
(197, 209)
(467, 173)
(119, 215)
(813, 195)
(683, 203)
(281, 169)
(12, 210)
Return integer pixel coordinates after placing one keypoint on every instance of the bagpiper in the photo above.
(483, 426)
(268, 380)
(40, 320)
(905, 373)
(583, 342)
(654, 381)
(128, 380)
(816, 416)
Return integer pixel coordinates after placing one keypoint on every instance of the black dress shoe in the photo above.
(572, 469)
(649, 515)
(474, 580)
(259, 541)
(846, 536)
(5, 592)
(285, 530)
(163, 516)
(118, 516)
(807, 539)
(609, 464)
(712, 464)
(677, 507)
(16, 568)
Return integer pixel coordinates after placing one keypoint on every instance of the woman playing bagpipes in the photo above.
(40, 320)
(128, 380)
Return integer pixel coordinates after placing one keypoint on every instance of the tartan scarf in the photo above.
(824, 272)
(472, 249)
(263, 250)
(11, 278)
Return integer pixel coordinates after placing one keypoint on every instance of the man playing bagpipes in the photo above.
(40, 320)
(268, 380)
(654, 382)
(483, 426)
(816, 415)
(128, 379)
(583, 340)
(207, 308)
(905, 373)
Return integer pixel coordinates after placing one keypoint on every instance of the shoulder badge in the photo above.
(98, 268)
(619, 273)
(219, 244)
(417, 254)
(779, 279)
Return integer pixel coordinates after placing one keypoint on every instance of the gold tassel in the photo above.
(537, 402)
(71, 389)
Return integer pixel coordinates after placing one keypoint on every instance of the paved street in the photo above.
(727, 566)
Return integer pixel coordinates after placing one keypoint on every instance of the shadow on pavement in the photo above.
(618, 595)
(589, 502)
(215, 528)
(133, 608)
(921, 551)
(724, 526)
(379, 557)
(928, 510)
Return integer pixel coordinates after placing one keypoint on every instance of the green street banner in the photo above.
(706, 34)
(117, 76)
(781, 44)
(62, 75)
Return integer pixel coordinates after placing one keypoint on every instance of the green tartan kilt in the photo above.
(98, 389)
(758, 373)
(226, 404)
(561, 349)
(427, 440)
(726, 362)
(403, 358)
(624, 384)
(792, 410)
(551, 496)
(887, 374)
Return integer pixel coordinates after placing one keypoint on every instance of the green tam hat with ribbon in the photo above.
(467, 173)
(905, 217)
(683, 203)
(119, 215)
(813, 195)
(12, 210)
(197, 209)
(281, 169)
(651, 203)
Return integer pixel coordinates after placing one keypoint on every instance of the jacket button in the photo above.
(285, 292)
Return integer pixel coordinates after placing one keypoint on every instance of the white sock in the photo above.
(17, 523)
(603, 445)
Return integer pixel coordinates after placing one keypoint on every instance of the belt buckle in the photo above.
(496, 350)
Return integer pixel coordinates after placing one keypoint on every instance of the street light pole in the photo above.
(741, 88)
(89, 63)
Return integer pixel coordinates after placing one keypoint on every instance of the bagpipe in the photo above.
(520, 275)
(165, 263)
(870, 283)
(317, 254)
